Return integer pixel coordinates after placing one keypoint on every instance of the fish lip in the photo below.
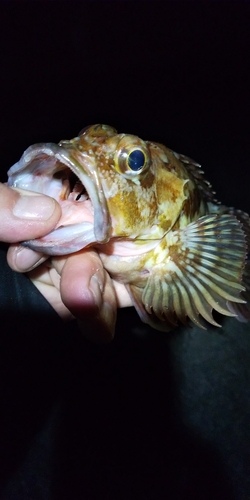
(82, 167)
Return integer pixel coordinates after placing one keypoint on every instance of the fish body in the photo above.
(153, 219)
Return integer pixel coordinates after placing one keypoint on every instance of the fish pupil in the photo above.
(136, 160)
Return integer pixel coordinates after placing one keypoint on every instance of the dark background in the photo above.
(177, 73)
(151, 416)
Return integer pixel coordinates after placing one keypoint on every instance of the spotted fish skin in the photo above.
(153, 218)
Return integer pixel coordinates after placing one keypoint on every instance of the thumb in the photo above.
(26, 215)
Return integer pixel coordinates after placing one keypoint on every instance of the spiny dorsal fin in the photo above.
(194, 169)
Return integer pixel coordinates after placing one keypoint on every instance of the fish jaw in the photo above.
(44, 168)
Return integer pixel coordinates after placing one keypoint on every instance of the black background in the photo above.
(177, 73)
(150, 416)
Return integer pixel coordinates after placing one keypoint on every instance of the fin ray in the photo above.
(196, 277)
(242, 311)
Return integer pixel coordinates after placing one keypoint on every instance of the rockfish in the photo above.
(153, 219)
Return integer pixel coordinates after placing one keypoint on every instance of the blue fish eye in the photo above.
(136, 160)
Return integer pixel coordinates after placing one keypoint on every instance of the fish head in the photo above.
(111, 185)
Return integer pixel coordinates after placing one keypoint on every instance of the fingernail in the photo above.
(96, 288)
(34, 207)
(27, 259)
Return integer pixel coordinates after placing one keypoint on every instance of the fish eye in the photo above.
(136, 160)
(132, 156)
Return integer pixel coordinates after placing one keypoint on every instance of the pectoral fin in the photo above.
(162, 324)
(242, 311)
(201, 272)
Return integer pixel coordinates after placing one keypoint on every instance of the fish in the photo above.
(153, 218)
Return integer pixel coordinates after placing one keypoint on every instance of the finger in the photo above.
(25, 214)
(87, 291)
(122, 296)
(22, 259)
(47, 280)
(89, 258)
(101, 327)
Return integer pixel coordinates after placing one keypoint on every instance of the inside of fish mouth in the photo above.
(76, 191)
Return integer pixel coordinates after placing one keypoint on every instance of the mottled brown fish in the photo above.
(153, 219)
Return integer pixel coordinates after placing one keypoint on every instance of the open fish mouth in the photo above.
(71, 177)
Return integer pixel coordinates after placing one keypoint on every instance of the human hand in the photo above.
(76, 286)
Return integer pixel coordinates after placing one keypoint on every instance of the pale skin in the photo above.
(76, 286)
